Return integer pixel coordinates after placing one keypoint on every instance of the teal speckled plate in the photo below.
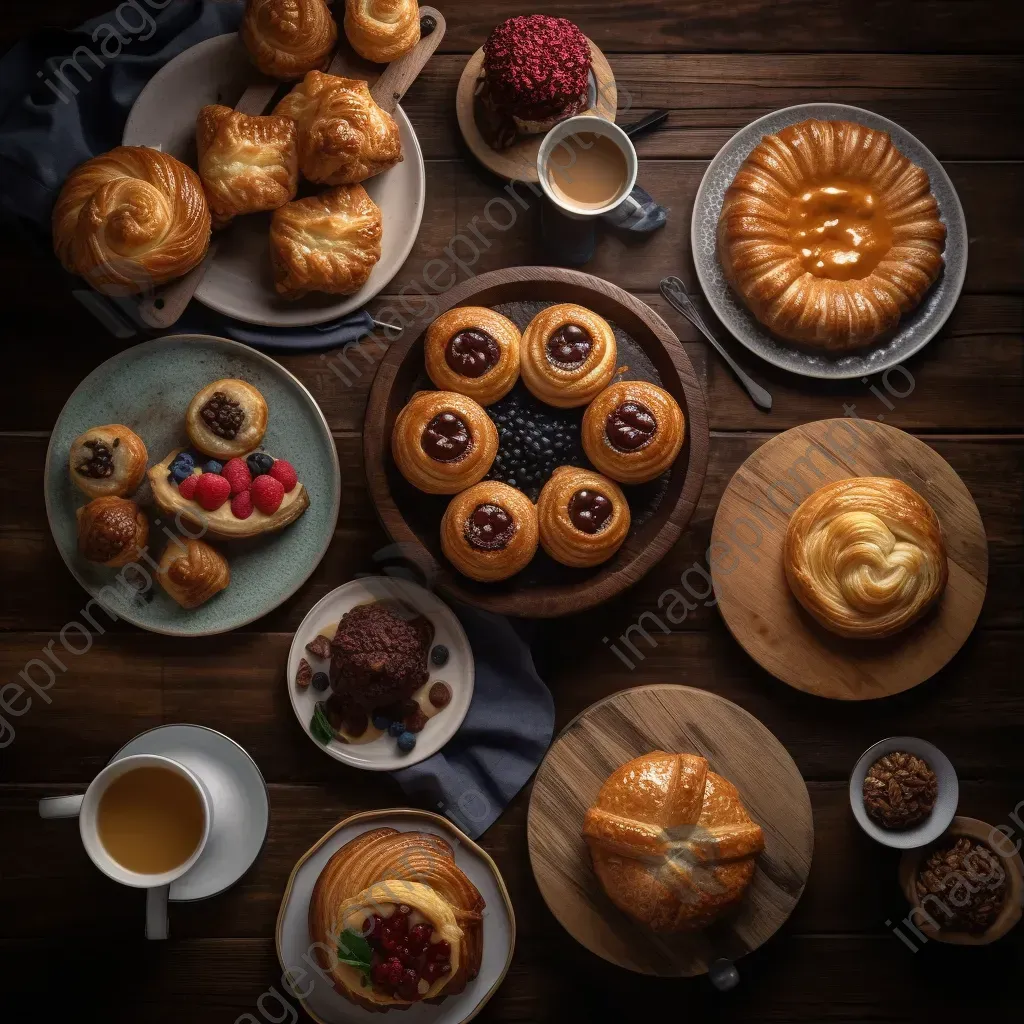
(148, 388)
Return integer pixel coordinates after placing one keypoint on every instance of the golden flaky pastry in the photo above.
(865, 556)
(568, 355)
(108, 461)
(227, 418)
(344, 137)
(475, 351)
(192, 572)
(130, 220)
(287, 38)
(246, 164)
(382, 30)
(112, 531)
(583, 517)
(829, 233)
(362, 887)
(672, 844)
(325, 243)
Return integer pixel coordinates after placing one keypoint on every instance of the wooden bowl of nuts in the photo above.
(966, 888)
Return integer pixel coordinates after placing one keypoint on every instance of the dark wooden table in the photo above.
(71, 940)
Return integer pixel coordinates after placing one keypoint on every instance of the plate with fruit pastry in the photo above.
(380, 673)
(401, 911)
(235, 505)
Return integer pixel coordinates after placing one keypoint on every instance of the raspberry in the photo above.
(241, 505)
(212, 491)
(187, 487)
(267, 494)
(285, 472)
(236, 472)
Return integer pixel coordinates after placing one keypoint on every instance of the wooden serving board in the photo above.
(750, 582)
(738, 747)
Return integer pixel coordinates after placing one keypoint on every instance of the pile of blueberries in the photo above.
(185, 463)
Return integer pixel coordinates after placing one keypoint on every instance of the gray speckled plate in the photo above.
(148, 388)
(914, 331)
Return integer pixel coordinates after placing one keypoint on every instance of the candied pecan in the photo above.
(900, 790)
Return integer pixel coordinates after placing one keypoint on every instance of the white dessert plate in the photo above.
(240, 282)
(318, 997)
(382, 754)
(915, 329)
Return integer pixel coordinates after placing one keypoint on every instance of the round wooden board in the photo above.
(738, 747)
(750, 582)
(519, 161)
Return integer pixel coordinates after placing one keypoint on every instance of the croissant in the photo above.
(672, 844)
(382, 30)
(192, 572)
(112, 531)
(130, 220)
(287, 38)
(246, 164)
(344, 137)
(367, 887)
(865, 556)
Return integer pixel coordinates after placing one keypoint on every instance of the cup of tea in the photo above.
(144, 821)
(587, 168)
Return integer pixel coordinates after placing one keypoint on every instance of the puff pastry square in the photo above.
(344, 137)
(325, 243)
(246, 163)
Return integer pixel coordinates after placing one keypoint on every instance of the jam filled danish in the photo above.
(583, 517)
(475, 351)
(227, 419)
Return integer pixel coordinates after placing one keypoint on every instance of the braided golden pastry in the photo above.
(568, 355)
(633, 431)
(389, 886)
(246, 164)
(130, 220)
(112, 531)
(287, 38)
(672, 844)
(325, 243)
(489, 532)
(443, 442)
(583, 517)
(192, 572)
(865, 556)
(382, 30)
(108, 461)
(829, 233)
(344, 137)
(475, 351)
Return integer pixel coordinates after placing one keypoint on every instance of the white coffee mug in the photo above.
(85, 808)
(561, 144)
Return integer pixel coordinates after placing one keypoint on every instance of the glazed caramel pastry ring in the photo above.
(287, 38)
(583, 517)
(633, 431)
(443, 442)
(112, 531)
(475, 351)
(192, 572)
(228, 418)
(568, 355)
(865, 556)
(382, 30)
(108, 461)
(489, 532)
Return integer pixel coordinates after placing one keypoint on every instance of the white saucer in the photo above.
(382, 754)
(238, 796)
(323, 1003)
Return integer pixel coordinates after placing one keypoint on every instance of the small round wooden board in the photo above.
(750, 582)
(739, 748)
(519, 161)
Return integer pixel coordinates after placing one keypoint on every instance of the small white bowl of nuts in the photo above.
(904, 792)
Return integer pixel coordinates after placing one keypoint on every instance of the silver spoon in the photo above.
(675, 291)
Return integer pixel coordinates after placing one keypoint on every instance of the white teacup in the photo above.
(85, 808)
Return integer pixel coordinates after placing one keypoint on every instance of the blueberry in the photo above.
(321, 681)
(181, 472)
(396, 729)
(406, 741)
(439, 655)
(185, 456)
(213, 466)
(259, 463)
(381, 722)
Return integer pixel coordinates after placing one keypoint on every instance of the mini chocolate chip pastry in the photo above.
(633, 431)
(112, 531)
(108, 462)
(900, 790)
(443, 442)
(474, 351)
(568, 355)
(489, 531)
(227, 419)
(583, 517)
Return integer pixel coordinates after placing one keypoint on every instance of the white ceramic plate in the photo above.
(240, 283)
(945, 804)
(321, 1002)
(382, 754)
(915, 329)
